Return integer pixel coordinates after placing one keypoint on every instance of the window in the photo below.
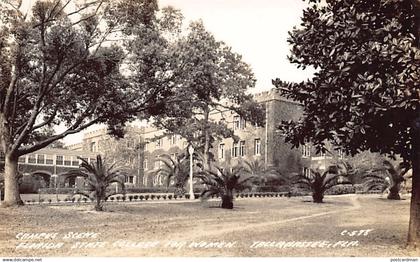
(145, 165)
(40, 159)
(306, 172)
(67, 160)
(257, 147)
(235, 149)
(173, 139)
(49, 160)
(22, 159)
(242, 148)
(340, 154)
(75, 161)
(129, 179)
(238, 123)
(145, 180)
(222, 151)
(306, 151)
(2, 156)
(93, 147)
(159, 143)
(157, 162)
(59, 160)
(129, 143)
(31, 159)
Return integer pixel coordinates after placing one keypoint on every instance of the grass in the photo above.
(262, 219)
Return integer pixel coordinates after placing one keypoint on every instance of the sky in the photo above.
(256, 29)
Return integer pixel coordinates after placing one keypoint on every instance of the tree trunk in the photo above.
(227, 202)
(99, 206)
(11, 186)
(206, 159)
(394, 191)
(317, 197)
(413, 240)
(414, 226)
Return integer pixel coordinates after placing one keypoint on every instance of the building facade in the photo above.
(140, 149)
(43, 168)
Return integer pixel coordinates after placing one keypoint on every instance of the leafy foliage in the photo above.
(222, 182)
(388, 177)
(175, 169)
(213, 78)
(264, 177)
(62, 66)
(318, 182)
(99, 176)
(365, 94)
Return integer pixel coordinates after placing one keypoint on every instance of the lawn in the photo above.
(352, 225)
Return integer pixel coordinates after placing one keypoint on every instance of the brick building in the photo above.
(142, 146)
(43, 168)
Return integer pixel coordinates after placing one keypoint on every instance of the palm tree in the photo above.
(222, 182)
(265, 177)
(175, 169)
(99, 177)
(388, 177)
(319, 182)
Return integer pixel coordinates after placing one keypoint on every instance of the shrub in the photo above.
(111, 198)
(341, 189)
(136, 197)
(164, 197)
(187, 196)
(359, 188)
(130, 198)
(169, 197)
(152, 197)
(175, 196)
(124, 198)
(49, 201)
(141, 197)
(146, 197)
(150, 190)
(60, 191)
(158, 197)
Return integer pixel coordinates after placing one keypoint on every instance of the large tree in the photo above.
(215, 80)
(61, 63)
(365, 93)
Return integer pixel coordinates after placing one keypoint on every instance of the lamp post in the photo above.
(191, 152)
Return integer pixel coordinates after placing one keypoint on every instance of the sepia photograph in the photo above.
(209, 129)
